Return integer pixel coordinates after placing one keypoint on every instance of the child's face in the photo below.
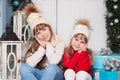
(44, 34)
(78, 43)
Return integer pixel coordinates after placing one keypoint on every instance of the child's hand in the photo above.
(83, 48)
(42, 43)
(79, 51)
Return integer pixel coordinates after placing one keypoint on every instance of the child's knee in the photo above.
(24, 68)
(83, 75)
(70, 71)
(69, 74)
(52, 67)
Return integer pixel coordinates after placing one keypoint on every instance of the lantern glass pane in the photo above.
(11, 61)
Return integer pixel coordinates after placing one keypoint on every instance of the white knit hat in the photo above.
(81, 29)
(36, 18)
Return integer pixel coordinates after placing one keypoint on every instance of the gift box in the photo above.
(96, 75)
(109, 75)
(100, 59)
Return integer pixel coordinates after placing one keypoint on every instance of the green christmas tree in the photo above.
(113, 25)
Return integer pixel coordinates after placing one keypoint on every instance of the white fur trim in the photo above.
(36, 18)
(81, 29)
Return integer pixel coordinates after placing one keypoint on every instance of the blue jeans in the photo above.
(51, 72)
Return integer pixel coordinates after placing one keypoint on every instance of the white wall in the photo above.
(48, 10)
(63, 13)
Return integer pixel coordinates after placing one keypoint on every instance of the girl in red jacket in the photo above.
(77, 58)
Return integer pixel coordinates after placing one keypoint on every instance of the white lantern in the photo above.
(20, 26)
(10, 52)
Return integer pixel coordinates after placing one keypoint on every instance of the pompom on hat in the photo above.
(82, 26)
(34, 17)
